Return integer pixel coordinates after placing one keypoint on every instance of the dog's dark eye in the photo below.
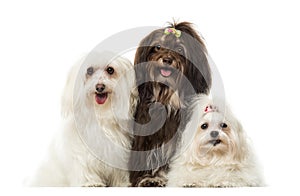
(204, 126)
(157, 47)
(223, 125)
(180, 50)
(110, 70)
(90, 71)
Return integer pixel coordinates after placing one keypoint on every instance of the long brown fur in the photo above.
(190, 75)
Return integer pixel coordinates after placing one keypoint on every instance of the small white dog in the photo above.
(93, 147)
(215, 151)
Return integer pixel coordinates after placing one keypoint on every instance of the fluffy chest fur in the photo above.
(96, 157)
(159, 121)
(161, 107)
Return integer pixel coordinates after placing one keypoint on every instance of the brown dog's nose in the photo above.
(167, 60)
(100, 88)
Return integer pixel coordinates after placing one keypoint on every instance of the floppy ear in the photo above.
(125, 89)
(67, 99)
(144, 48)
(140, 65)
(68, 92)
(141, 56)
(141, 52)
(198, 72)
(242, 148)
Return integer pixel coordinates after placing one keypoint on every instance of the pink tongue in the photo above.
(165, 72)
(101, 98)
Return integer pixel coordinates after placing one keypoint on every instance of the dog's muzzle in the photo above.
(215, 135)
(101, 95)
(100, 88)
(166, 70)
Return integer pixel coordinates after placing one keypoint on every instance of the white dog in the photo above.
(93, 147)
(215, 151)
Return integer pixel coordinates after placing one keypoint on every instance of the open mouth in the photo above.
(215, 142)
(165, 72)
(101, 97)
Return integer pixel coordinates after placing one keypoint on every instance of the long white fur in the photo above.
(92, 149)
(196, 166)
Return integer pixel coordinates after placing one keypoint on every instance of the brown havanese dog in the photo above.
(171, 67)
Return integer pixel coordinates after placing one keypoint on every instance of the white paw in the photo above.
(94, 185)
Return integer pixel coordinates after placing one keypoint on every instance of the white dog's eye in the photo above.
(204, 126)
(110, 70)
(90, 71)
(223, 125)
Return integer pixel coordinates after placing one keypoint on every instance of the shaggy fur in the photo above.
(169, 71)
(215, 151)
(92, 145)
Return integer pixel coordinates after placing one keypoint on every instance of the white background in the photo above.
(255, 45)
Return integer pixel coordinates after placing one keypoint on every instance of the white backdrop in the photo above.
(255, 45)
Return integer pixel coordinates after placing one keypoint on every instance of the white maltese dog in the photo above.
(92, 149)
(215, 151)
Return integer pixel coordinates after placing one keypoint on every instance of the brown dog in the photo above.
(171, 66)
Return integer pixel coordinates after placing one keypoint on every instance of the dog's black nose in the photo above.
(167, 60)
(100, 88)
(214, 134)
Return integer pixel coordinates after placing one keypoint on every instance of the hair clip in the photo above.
(210, 108)
(177, 33)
